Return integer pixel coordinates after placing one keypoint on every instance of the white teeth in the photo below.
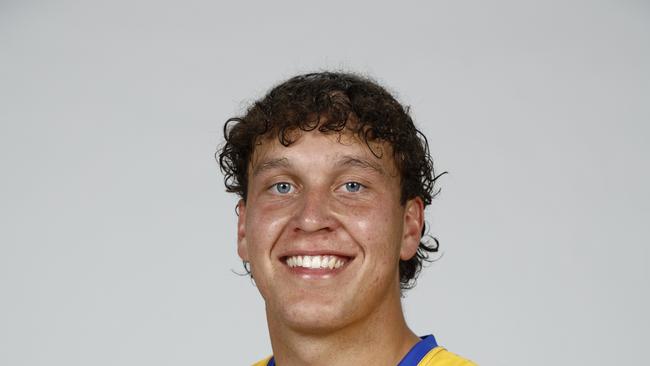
(315, 262)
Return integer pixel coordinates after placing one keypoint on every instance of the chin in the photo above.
(314, 317)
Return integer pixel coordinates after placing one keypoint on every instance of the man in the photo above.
(333, 179)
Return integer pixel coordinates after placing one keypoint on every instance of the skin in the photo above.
(328, 194)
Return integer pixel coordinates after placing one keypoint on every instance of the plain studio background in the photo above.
(117, 240)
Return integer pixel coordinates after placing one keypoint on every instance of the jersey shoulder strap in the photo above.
(441, 357)
(263, 362)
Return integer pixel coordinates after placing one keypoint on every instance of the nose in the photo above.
(314, 213)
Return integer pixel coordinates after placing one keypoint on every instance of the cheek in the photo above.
(264, 226)
(377, 228)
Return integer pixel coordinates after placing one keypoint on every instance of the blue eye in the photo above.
(283, 187)
(353, 186)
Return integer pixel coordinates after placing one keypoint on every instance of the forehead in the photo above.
(311, 147)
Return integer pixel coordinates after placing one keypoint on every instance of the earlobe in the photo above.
(242, 248)
(413, 223)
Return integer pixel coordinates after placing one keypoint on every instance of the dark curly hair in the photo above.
(332, 102)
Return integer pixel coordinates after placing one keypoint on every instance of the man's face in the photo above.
(324, 230)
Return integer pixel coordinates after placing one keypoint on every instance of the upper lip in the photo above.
(315, 252)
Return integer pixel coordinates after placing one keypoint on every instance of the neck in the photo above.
(381, 338)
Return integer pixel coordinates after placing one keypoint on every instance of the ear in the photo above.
(242, 247)
(413, 222)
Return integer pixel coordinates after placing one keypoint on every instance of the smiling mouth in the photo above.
(316, 262)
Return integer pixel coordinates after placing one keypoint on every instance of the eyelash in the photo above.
(346, 184)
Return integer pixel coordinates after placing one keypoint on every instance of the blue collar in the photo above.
(419, 350)
(415, 355)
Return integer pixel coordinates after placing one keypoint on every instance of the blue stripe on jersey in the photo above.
(412, 358)
(417, 353)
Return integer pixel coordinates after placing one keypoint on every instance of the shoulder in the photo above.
(441, 357)
(263, 362)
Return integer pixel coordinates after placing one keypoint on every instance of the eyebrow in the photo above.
(271, 164)
(353, 161)
(343, 162)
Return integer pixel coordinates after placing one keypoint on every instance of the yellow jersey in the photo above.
(426, 352)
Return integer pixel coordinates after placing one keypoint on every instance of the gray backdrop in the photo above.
(117, 240)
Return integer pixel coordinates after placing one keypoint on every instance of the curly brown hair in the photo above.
(332, 102)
